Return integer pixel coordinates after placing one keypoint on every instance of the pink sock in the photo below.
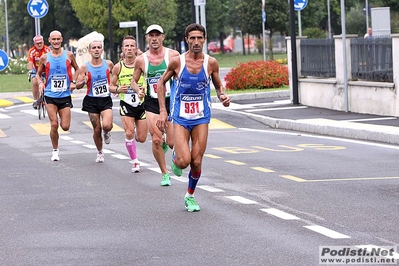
(131, 148)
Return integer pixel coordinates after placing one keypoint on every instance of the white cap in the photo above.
(154, 27)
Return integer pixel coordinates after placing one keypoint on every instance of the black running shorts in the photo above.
(96, 105)
(151, 105)
(130, 111)
(61, 103)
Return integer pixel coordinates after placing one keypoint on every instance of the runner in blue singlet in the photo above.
(190, 107)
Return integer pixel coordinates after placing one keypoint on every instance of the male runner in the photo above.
(153, 63)
(96, 73)
(131, 108)
(190, 106)
(57, 64)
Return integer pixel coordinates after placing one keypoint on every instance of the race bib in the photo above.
(192, 106)
(58, 83)
(131, 98)
(100, 88)
(153, 84)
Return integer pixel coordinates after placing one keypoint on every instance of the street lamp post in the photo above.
(6, 15)
(111, 40)
(329, 19)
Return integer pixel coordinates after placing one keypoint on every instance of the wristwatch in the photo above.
(74, 82)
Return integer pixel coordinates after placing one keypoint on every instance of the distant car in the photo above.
(214, 47)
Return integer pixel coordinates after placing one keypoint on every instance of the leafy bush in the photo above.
(282, 61)
(257, 75)
(314, 33)
(16, 66)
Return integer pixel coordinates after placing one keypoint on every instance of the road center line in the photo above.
(210, 189)
(325, 231)
(280, 214)
(241, 200)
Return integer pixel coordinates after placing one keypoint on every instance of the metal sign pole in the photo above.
(299, 23)
(263, 29)
(7, 40)
(37, 26)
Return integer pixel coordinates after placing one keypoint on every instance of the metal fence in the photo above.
(372, 59)
(318, 58)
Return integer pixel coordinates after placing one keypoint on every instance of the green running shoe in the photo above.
(165, 147)
(176, 170)
(191, 204)
(166, 180)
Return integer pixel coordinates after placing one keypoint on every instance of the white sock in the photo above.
(189, 195)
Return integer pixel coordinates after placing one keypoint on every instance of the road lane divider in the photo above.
(262, 169)
(325, 231)
(280, 214)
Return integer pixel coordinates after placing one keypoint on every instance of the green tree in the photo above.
(277, 20)
(356, 21)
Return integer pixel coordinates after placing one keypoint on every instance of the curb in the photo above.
(341, 129)
(255, 95)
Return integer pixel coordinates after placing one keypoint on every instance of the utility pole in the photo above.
(111, 40)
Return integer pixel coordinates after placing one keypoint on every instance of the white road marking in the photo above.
(120, 156)
(395, 147)
(2, 116)
(90, 146)
(78, 111)
(276, 109)
(77, 142)
(156, 170)
(66, 138)
(241, 200)
(280, 214)
(31, 112)
(371, 119)
(180, 178)
(325, 231)
(210, 189)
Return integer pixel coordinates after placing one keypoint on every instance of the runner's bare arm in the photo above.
(114, 79)
(138, 70)
(213, 66)
(174, 65)
(80, 77)
(40, 69)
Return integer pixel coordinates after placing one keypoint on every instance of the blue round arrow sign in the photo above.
(3, 60)
(37, 8)
(300, 4)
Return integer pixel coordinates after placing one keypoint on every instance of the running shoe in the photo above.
(34, 105)
(55, 156)
(166, 180)
(165, 146)
(100, 157)
(176, 170)
(136, 167)
(191, 204)
(107, 137)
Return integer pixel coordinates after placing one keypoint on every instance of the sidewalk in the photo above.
(275, 110)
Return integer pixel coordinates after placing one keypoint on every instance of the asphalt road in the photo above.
(267, 197)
